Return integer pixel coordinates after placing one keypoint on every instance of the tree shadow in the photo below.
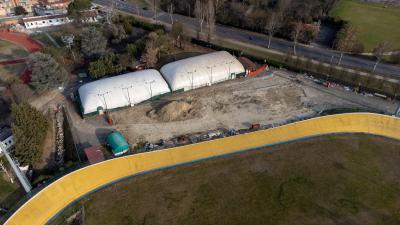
(102, 133)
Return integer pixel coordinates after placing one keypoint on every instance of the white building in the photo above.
(45, 21)
(6, 139)
(201, 70)
(121, 91)
(87, 16)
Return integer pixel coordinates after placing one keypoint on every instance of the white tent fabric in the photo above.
(201, 70)
(120, 91)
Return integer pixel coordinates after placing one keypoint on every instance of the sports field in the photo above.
(344, 179)
(374, 22)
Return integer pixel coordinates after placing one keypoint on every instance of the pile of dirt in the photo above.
(172, 111)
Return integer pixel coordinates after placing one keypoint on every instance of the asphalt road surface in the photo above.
(314, 52)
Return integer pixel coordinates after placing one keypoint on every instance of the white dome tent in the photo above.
(201, 70)
(121, 91)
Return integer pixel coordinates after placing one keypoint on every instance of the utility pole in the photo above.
(211, 73)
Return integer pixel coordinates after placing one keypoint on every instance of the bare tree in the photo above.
(297, 31)
(345, 41)
(177, 33)
(283, 5)
(110, 11)
(151, 56)
(156, 44)
(200, 13)
(210, 18)
(154, 4)
(171, 12)
(272, 26)
(379, 52)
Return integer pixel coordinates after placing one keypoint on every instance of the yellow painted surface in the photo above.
(51, 200)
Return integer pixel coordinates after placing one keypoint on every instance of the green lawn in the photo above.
(343, 179)
(374, 22)
(9, 193)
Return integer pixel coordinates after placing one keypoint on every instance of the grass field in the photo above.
(374, 22)
(9, 51)
(9, 193)
(345, 179)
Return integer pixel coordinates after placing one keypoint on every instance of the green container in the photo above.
(117, 143)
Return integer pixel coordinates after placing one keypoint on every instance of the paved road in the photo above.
(244, 36)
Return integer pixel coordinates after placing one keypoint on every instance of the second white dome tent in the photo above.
(202, 70)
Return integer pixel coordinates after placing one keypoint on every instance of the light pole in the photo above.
(104, 98)
(127, 90)
(229, 66)
(211, 74)
(192, 80)
(151, 90)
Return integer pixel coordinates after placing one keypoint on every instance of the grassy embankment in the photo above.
(344, 179)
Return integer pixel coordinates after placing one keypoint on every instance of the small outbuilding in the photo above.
(94, 155)
(121, 91)
(6, 138)
(248, 65)
(117, 143)
(202, 70)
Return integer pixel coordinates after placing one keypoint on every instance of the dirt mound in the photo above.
(172, 111)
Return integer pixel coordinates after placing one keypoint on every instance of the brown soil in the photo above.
(173, 111)
(48, 157)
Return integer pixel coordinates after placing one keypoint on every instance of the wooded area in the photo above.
(276, 17)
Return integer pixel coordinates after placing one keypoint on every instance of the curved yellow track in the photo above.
(51, 200)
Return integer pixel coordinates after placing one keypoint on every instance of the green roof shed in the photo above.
(118, 143)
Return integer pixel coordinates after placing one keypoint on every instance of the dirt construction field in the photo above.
(344, 179)
(273, 98)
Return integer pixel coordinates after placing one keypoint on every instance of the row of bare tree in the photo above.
(269, 16)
